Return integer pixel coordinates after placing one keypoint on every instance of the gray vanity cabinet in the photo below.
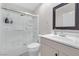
(53, 48)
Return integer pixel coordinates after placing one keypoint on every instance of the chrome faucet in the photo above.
(55, 32)
(62, 34)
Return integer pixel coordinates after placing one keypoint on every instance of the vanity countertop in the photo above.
(74, 42)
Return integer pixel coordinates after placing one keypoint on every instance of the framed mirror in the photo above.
(66, 16)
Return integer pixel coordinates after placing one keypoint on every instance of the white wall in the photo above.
(45, 17)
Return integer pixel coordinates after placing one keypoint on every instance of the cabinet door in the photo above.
(48, 51)
(62, 54)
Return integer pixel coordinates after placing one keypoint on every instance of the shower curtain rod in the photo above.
(25, 13)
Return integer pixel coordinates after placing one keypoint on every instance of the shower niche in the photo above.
(66, 16)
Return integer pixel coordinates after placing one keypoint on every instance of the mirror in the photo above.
(65, 16)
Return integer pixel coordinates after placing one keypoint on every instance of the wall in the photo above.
(45, 20)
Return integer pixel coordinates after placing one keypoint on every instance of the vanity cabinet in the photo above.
(53, 48)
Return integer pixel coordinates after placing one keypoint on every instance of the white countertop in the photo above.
(74, 42)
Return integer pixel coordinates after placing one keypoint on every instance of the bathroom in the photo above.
(29, 29)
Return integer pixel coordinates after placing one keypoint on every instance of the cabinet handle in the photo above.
(56, 54)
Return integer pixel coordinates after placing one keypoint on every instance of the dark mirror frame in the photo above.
(76, 17)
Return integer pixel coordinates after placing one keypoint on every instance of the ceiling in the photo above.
(29, 6)
(26, 7)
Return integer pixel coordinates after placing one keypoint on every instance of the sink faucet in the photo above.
(62, 34)
(55, 33)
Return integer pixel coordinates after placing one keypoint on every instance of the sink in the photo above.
(71, 38)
